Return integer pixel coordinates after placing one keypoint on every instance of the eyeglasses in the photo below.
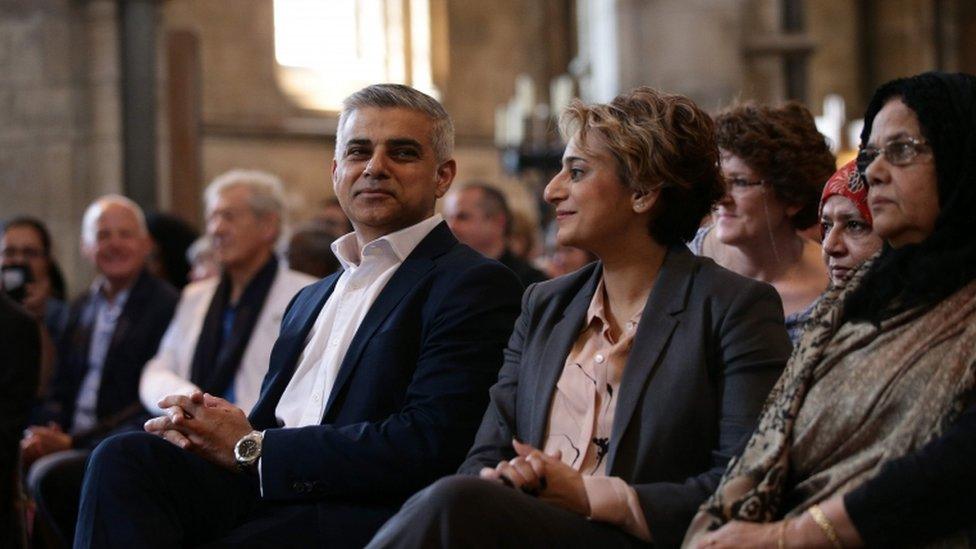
(900, 152)
(739, 186)
(26, 253)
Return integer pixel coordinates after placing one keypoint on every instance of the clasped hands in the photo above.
(542, 475)
(201, 423)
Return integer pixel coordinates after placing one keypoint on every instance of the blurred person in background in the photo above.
(111, 331)
(524, 239)
(20, 357)
(333, 218)
(200, 257)
(171, 237)
(221, 336)
(32, 278)
(848, 238)
(310, 250)
(567, 259)
(775, 163)
(479, 216)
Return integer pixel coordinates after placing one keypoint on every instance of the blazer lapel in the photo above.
(561, 338)
(406, 277)
(658, 322)
(132, 310)
(289, 345)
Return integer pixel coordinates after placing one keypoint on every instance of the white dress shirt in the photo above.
(365, 274)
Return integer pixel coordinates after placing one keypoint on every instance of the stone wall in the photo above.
(59, 116)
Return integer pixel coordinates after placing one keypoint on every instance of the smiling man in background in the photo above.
(111, 331)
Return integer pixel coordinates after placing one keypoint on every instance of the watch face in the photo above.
(248, 448)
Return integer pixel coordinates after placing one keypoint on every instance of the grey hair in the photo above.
(399, 96)
(89, 222)
(267, 194)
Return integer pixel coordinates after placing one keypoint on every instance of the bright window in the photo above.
(327, 49)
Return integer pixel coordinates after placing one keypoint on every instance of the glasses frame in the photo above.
(740, 185)
(867, 155)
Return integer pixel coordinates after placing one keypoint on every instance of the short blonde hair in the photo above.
(661, 142)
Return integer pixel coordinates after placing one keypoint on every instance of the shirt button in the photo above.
(599, 359)
(631, 325)
(334, 342)
(316, 397)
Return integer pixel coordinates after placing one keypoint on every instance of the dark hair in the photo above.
(172, 236)
(59, 288)
(661, 142)
(390, 96)
(783, 145)
(492, 202)
(928, 272)
(310, 251)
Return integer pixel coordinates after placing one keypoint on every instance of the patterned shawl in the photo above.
(853, 396)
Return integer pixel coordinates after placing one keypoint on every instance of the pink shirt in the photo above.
(581, 416)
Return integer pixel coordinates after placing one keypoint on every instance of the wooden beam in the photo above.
(183, 97)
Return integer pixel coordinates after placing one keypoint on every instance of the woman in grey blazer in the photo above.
(629, 384)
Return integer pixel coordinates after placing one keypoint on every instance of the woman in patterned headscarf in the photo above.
(845, 224)
(887, 363)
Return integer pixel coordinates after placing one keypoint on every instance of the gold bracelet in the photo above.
(781, 539)
(824, 523)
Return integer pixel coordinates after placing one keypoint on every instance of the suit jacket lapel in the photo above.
(406, 277)
(560, 341)
(289, 345)
(668, 297)
(134, 306)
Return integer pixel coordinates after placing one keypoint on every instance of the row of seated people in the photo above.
(93, 395)
(625, 389)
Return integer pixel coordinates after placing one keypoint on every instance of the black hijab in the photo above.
(925, 273)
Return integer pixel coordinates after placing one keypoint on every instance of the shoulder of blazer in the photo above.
(157, 293)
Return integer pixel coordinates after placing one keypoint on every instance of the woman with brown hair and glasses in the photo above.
(775, 163)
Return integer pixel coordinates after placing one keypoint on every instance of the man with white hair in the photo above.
(221, 337)
(111, 331)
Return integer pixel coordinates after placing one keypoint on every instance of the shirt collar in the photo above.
(98, 290)
(400, 243)
(597, 310)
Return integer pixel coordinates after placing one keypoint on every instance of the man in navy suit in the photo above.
(376, 385)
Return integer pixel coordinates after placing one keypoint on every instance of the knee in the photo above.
(456, 496)
(132, 450)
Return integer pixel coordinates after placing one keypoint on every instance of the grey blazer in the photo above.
(709, 346)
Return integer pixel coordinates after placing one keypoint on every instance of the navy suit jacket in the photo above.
(411, 389)
(140, 326)
(708, 348)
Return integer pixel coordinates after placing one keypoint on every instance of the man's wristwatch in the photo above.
(247, 451)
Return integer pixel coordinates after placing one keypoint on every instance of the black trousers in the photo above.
(141, 491)
(465, 511)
